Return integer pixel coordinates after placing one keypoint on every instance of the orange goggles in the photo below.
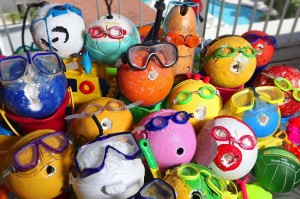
(191, 41)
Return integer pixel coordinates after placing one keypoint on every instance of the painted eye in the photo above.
(197, 195)
(50, 170)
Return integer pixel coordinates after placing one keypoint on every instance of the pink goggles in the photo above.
(114, 32)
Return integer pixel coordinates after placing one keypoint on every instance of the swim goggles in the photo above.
(90, 158)
(285, 85)
(243, 100)
(160, 122)
(155, 189)
(28, 157)
(189, 4)
(221, 133)
(138, 56)
(114, 32)
(190, 172)
(230, 51)
(56, 11)
(287, 144)
(205, 92)
(15, 67)
(253, 38)
(95, 109)
(191, 41)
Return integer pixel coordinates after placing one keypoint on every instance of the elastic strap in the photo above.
(2, 112)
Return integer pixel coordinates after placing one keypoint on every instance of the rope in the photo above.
(108, 6)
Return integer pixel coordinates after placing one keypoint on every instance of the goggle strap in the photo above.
(139, 128)
(74, 116)
(267, 75)
(134, 104)
(8, 171)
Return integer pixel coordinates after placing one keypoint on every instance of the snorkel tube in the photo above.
(153, 33)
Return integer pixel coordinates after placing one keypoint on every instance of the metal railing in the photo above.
(286, 31)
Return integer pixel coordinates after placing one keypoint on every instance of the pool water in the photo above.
(229, 11)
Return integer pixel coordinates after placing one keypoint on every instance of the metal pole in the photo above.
(237, 16)
(98, 8)
(268, 15)
(286, 5)
(6, 30)
(141, 13)
(120, 7)
(220, 18)
(294, 24)
(253, 15)
(203, 25)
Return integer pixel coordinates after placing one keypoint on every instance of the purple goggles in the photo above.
(90, 158)
(56, 142)
(253, 38)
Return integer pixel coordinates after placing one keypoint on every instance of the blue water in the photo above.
(229, 12)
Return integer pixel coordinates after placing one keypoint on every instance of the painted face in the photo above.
(59, 28)
(28, 82)
(171, 137)
(195, 181)
(227, 146)
(107, 39)
(229, 61)
(38, 165)
(197, 97)
(148, 74)
(264, 45)
(258, 108)
(290, 86)
(108, 168)
(181, 29)
(113, 115)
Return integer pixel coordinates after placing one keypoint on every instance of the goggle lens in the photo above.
(12, 68)
(140, 55)
(96, 31)
(220, 133)
(26, 158)
(47, 63)
(91, 157)
(157, 189)
(247, 142)
(283, 83)
(56, 143)
(296, 94)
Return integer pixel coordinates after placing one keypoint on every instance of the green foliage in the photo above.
(279, 5)
(14, 17)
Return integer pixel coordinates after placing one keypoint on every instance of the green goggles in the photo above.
(285, 85)
(230, 51)
(205, 92)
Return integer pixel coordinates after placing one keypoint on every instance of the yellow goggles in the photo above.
(285, 85)
(243, 100)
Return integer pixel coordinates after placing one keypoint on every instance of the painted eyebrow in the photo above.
(63, 30)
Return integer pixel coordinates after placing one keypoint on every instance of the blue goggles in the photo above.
(62, 10)
(155, 189)
(253, 38)
(56, 11)
(15, 67)
(90, 158)
(160, 122)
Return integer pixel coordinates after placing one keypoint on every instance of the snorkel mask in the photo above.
(38, 165)
(108, 167)
(258, 107)
(29, 80)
